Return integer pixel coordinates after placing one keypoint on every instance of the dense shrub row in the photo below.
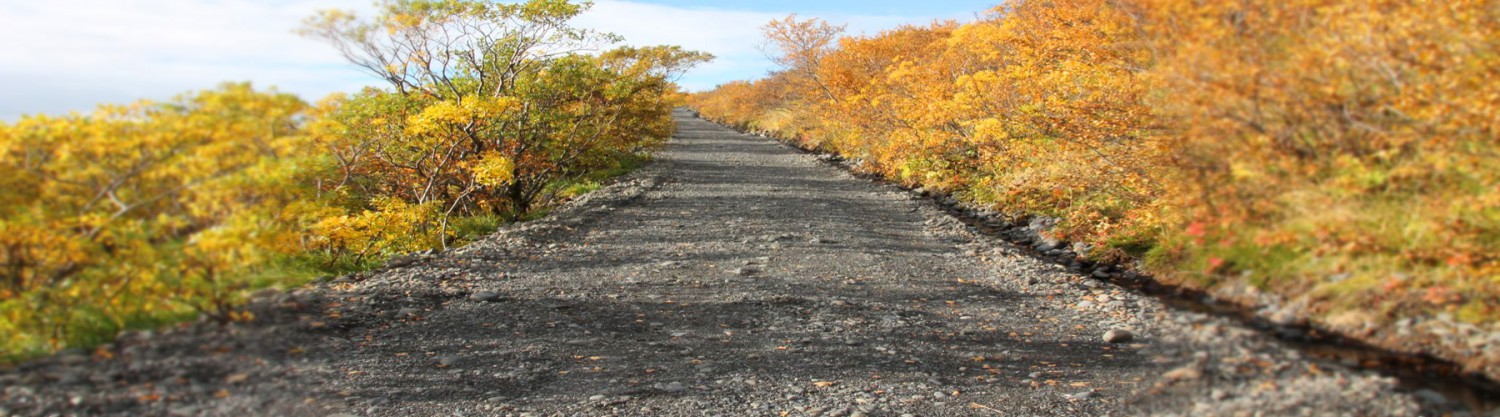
(1338, 151)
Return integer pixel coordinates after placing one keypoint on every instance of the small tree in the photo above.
(489, 104)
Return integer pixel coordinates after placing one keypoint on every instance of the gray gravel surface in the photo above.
(734, 276)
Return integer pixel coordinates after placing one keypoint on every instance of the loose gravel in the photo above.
(733, 276)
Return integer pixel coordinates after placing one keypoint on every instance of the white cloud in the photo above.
(730, 34)
(67, 56)
(72, 55)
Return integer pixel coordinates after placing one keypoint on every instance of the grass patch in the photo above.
(88, 326)
(570, 188)
(469, 229)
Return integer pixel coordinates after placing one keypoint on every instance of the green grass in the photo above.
(89, 326)
(469, 229)
(88, 329)
(623, 163)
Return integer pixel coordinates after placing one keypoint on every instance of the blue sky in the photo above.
(72, 55)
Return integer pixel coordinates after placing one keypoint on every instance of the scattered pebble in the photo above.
(485, 296)
(1118, 336)
(911, 309)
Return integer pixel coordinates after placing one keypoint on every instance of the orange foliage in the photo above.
(1279, 143)
(1036, 108)
(1357, 137)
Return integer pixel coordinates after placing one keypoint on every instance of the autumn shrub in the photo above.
(459, 134)
(735, 103)
(1339, 150)
(139, 213)
(1038, 109)
(874, 89)
(153, 212)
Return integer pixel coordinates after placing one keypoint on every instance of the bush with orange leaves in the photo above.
(1037, 108)
(1339, 148)
(1341, 151)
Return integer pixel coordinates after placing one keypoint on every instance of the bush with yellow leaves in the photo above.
(1338, 150)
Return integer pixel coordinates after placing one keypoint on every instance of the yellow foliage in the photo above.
(1280, 142)
(141, 213)
(140, 210)
(493, 170)
(462, 113)
(394, 226)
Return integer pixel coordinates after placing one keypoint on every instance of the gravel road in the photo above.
(733, 276)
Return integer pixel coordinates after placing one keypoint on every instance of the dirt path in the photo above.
(734, 276)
